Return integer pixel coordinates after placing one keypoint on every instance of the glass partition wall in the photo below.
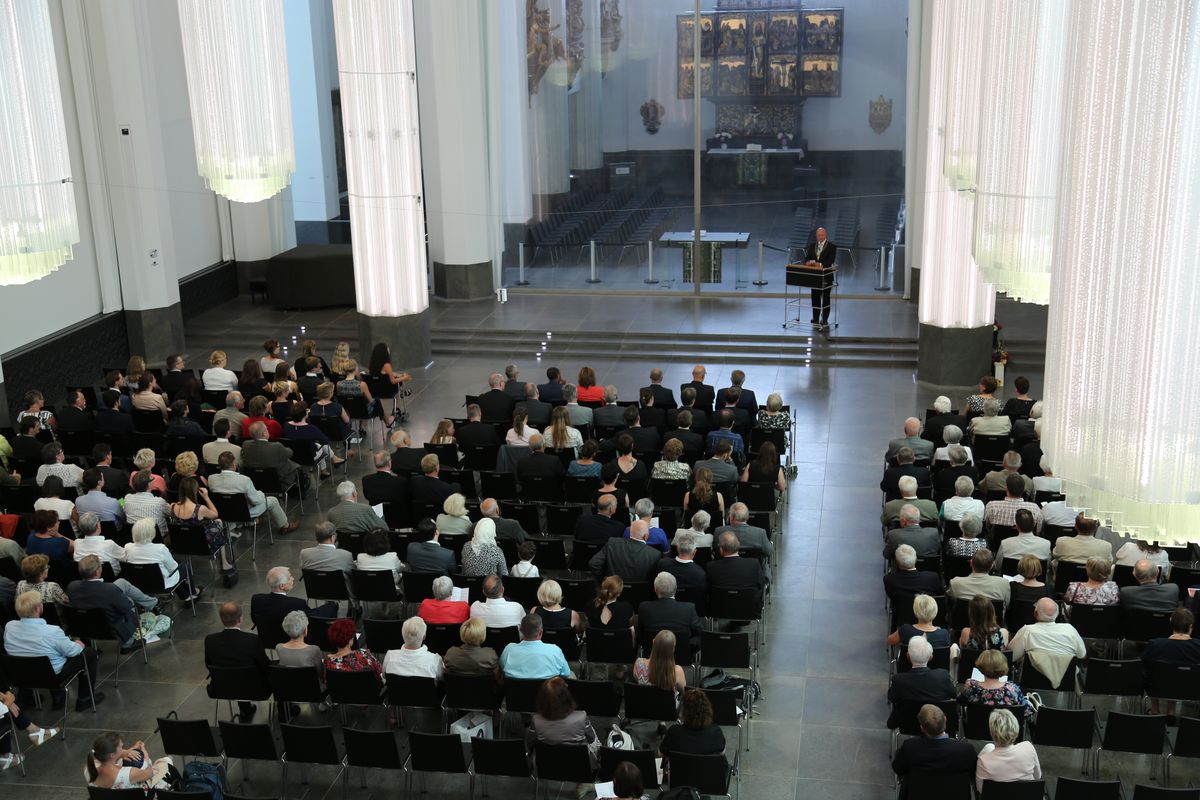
(599, 139)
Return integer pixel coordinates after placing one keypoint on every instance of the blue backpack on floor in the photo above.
(199, 776)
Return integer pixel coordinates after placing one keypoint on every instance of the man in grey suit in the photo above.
(922, 448)
(505, 528)
(580, 415)
(610, 415)
(926, 541)
(749, 536)
(259, 453)
(981, 581)
(230, 481)
(537, 409)
(326, 556)
(351, 515)
(513, 386)
(631, 560)
(91, 591)
(1149, 595)
(721, 464)
(425, 554)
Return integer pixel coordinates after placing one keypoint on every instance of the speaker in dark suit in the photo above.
(107, 597)
(823, 252)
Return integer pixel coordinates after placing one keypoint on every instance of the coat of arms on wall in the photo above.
(575, 26)
(652, 113)
(880, 114)
(542, 47)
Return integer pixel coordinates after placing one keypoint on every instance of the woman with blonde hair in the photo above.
(453, 518)
(1005, 759)
(341, 365)
(560, 435)
(471, 658)
(550, 609)
(443, 433)
(352, 386)
(660, 668)
(482, 556)
(925, 609)
(217, 378)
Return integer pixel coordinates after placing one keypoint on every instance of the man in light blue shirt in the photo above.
(96, 501)
(31, 636)
(532, 659)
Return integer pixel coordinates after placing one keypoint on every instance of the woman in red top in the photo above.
(588, 391)
(440, 609)
(258, 413)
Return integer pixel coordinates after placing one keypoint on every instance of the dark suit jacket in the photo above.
(644, 438)
(890, 485)
(923, 685)
(747, 401)
(944, 478)
(540, 465)
(688, 575)
(71, 418)
(508, 529)
(550, 392)
(270, 455)
(109, 421)
(699, 418)
(652, 417)
(904, 584)
(609, 416)
(408, 459)
(663, 397)
(1151, 597)
(116, 482)
(1031, 459)
(677, 616)
(117, 608)
(538, 411)
(630, 560)
(598, 529)
(692, 441)
(496, 405)
(828, 254)
(424, 489)
(384, 487)
(735, 573)
(234, 648)
(476, 434)
(172, 382)
(705, 394)
(515, 389)
(430, 557)
(936, 424)
(27, 448)
(922, 754)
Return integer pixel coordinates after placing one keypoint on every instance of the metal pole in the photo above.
(891, 262)
(592, 251)
(521, 265)
(760, 281)
(882, 287)
(696, 150)
(650, 263)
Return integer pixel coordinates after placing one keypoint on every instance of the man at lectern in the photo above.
(821, 253)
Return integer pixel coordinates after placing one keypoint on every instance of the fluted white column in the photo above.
(587, 122)
(549, 126)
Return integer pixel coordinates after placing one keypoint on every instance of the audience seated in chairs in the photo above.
(765, 468)
(531, 658)
(983, 631)
(608, 610)
(644, 510)
(112, 765)
(1148, 594)
(890, 485)
(35, 571)
(749, 536)
(1004, 512)
(695, 733)
(325, 555)
(1083, 544)
(352, 516)
(953, 435)
(1049, 645)
(506, 529)
(980, 581)
(120, 603)
(1178, 649)
(45, 538)
(345, 658)
(428, 487)
(996, 689)
(927, 541)
(414, 659)
(1029, 589)
(277, 603)
(701, 523)
(632, 559)
(925, 610)
(144, 550)
(296, 652)
(551, 611)
(495, 609)
(967, 542)
(601, 525)
(731, 571)
(922, 683)
(425, 553)
(557, 721)
(997, 480)
(441, 609)
(922, 448)
(1129, 554)
(232, 415)
(585, 465)
(471, 657)
(906, 487)
(54, 463)
(682, 566)
(667, 613)
(906, 580)
(1098, 590)
(946, 482)
(481, 555)
(1026, 542)
(96, 500)
(30, 636)
(230, 481)
(91, 542)
(933, 750)
(454, 519)
(660, 669)
(992, 423)
(377, 556)
(1004, 759)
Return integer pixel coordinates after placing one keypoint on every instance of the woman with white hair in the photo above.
(144, 550)
(440, 609)
(413, 659)
(296, 652)
(453, 518)
(963, 503)
(992, 423)
(925, 609)
(482, 556)
(952, 435)
(700, 524)
(1004, 758)
(965, 544)
(551, 611)
(773, 417)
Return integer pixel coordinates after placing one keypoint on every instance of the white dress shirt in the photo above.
(418, 663)
(498, 612)
(108, 551)
(387, 561)
(153, 553)
(955, 508)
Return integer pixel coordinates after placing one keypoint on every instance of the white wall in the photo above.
(312, 73)
(873, 63)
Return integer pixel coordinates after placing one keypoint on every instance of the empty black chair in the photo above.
(236, 684)
(383, 634)
(404, 691)
(370, 750)
(1075, 789)
(188, 737)
(541, 489)
(440, 637)
(1013, 790)
(149, 578)
(1096, 622)
(305, 744)
(560, 520)
(604, 646)
(1142, 626)
(551, 553)
(375, 586)
(249, 743)
(649, 703)
(1145, 734)
(506, 758)
(1119, 678)
(1173, 682)
(1032, 679)
(500, 485)
(597, 698)
(1144, 792)
(644, 760)
(709, 775)
(359, 688)
(562, 762)
(1187, 742)
(327, 585)
(436, 752)
(581, 554)
(270, 630)
(1066, 573)
(500, 638)
(1062, 727)
(565, 639)
(295, 685)
(472, 693)
(520, 696)
(579, 490)
(36, 672)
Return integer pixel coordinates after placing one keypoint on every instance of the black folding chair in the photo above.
(295, 685)
(370, 750)
(1144, 734)
(305, 744)
(235, 684)
(709, 775)
(91, 624)
(234, 509)
(505, 758)
(1063, 727)
(406, 692)
(188, 737)
(436, 752)
(644, 760)
(569, 763)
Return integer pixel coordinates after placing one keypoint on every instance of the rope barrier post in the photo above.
(760, 281)
(521, 265)
(592, 249)
(650, 263)
(882, 287)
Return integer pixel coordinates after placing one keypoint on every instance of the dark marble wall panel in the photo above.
(207, 289)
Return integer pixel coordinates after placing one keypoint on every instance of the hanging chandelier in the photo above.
(236, 60)
(38, 226)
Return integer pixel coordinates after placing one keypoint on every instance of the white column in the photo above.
(263, 229)
(549, 126)
(1121, 353)
(510, 139)
(450, 37)
(587, 122)
(377, 63)
(312, 69)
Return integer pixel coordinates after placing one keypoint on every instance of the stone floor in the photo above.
(820, 728)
